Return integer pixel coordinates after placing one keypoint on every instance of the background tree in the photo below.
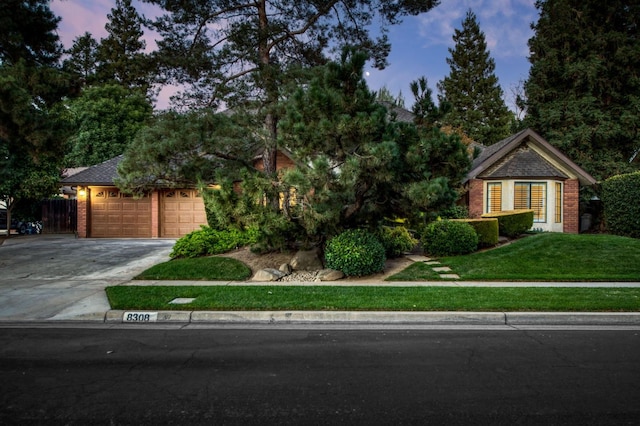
(583, 91)
(83, 59)
(32, 133)
(106, 119)
(234, 52)
(472, 87)
(384, 95)
(121, 57)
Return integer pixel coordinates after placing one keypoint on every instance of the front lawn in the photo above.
(544, 257)
(209, 268)
(375, 298)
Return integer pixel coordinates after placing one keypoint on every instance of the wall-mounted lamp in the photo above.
(82, 192)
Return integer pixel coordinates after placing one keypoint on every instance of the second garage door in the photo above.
(182, 212)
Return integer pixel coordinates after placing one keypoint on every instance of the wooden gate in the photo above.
(59, 216)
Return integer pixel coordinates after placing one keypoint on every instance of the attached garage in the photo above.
(105, 212)
(118, 215)
(182, 212)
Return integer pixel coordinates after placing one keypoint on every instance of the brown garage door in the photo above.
(182, 212)
(118, 215)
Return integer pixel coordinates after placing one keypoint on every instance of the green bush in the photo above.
(455, 212)
(620, 195)
(396, 240)
(449, 238)
(207, 241)
(355, 252)
(487, 230)
(512, 223)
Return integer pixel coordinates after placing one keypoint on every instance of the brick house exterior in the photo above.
(525, 171)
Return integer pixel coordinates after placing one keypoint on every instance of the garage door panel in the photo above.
(182, 212)
(114, 214)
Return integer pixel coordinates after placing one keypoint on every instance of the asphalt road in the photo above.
(128, 375)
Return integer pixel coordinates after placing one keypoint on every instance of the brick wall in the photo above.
(571, 206)
(476, 197)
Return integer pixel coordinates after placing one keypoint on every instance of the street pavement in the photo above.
(59, 278)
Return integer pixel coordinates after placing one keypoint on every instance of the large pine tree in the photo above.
(583, 91)
(472, 88)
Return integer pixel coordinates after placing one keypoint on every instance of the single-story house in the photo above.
(105, 211)
(524, 171)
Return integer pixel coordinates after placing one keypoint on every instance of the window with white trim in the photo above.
(531, 195)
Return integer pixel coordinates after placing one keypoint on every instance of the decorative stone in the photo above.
(329, 275)
(442, 269)
(306, 260)
(268, 274)
(285, 268)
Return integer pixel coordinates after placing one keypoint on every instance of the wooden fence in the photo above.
(59, 216)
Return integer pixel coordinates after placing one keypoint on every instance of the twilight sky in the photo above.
(418, 45)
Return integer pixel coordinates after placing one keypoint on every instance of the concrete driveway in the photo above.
(61, 277)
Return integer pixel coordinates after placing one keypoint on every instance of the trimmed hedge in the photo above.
(355, 252)
(449, 238)
(620, 198)
(512, 223)
(487, 230)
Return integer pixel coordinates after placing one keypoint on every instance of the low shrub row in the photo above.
(207, 241)
(512, 223)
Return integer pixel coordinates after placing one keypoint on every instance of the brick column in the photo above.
(476, 198)
(571, 206)
(155, 214)
(82, 224)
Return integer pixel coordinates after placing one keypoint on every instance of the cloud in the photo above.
(505, 23)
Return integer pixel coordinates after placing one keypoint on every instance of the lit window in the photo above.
(531, 195)
(558, 202)
(494, 197)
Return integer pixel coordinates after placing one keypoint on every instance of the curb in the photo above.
(378, 318)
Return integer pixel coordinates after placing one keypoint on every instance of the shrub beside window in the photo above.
(512, 223)
(449, 238)
(355, 252)
(487, 230)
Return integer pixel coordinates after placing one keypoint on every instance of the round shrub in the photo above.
(396, 240)
(355, 252)
(621, 207)
(449, 238)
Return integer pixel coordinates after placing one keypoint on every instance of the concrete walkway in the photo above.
(56, 279)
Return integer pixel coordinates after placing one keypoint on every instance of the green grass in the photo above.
(201, 268)
(367, 298)
(544, 257)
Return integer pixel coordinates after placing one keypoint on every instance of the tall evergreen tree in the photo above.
(472, 88)
(83, 58)
(583, 91)
(121, 57)
(32, 136)
(236, 51)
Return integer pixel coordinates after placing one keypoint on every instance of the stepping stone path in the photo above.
(444, 271)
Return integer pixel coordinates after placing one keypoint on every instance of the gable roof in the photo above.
(100, 174)
(526, 164)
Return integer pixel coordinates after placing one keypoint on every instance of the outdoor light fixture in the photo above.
(82, 192)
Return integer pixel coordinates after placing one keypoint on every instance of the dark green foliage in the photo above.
(396, 240)
(355, 252)
(455, 212)
(583, 91)
(620, 196)
(208, 241)
(449, 238)
(106, 119)
(472, 89)
(513, 222)
(487, 230)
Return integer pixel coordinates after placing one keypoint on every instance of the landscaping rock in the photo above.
(306, 260)
(329, 275)
(285, 268)
(268, 274)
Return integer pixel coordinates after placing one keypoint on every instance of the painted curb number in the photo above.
(140, 317)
